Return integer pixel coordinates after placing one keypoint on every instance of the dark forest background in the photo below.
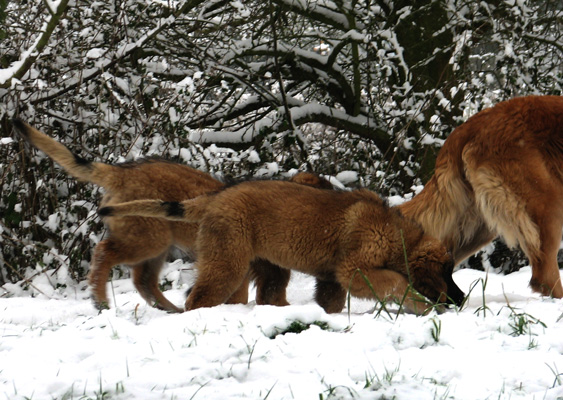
(365, 91)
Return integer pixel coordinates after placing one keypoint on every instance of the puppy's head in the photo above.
(431, 267)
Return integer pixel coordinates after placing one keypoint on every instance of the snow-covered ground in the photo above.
(507, 343)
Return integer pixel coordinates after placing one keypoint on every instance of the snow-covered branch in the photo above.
(19, 68)
(322, 11)
(123, 51)
(301, 114)
(324, 85)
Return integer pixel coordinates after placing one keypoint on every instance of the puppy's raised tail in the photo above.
(187, 211)
(82, 169)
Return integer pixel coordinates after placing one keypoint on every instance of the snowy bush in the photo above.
(244, 89)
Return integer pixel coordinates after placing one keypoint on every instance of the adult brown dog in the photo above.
(501, 173)
(342, 238)
(143, 243)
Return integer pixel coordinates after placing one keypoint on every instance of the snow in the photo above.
(95, 53)
(8, 73)
(347, 177)
(299, 112)
(60, 347)
(6, 140)
(53, 5)
(254, 157)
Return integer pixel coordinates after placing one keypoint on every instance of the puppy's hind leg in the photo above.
(146, 277)
(129, 244)
(546, 278)
(526, 211)
(240, 296)
(104, 258)
(217, 282)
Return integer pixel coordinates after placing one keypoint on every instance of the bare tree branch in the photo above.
(18, 69)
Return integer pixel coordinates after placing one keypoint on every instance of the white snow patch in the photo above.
(56, 345)
(254, 157)
(95, 53)
(347, 177)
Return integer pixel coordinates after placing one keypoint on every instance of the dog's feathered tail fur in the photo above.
(82, 169)
(187, 211)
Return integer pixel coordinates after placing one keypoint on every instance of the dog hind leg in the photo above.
(103, 259)
(217, 281)
(546, 278)
(130, 244)
(210, 293)
(240, 296)
(525, 213)
(146, 278)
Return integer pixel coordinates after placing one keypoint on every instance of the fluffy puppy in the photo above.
(347, 240)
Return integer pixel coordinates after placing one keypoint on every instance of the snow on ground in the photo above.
(61, 348)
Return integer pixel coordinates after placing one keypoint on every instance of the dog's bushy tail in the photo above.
(82, 169)
(187, 211)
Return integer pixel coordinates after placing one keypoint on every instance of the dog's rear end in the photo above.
(141, 243)
(501, 173)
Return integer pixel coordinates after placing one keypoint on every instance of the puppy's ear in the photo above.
(429, 264)
(431, 274)
(427, 278)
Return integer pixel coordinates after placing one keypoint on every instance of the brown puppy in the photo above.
(501, 173)
(341, 238)
(270, 280)
(144, 243)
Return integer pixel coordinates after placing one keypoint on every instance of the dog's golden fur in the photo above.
(341, 238)
(143, 243)
(501, 173)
